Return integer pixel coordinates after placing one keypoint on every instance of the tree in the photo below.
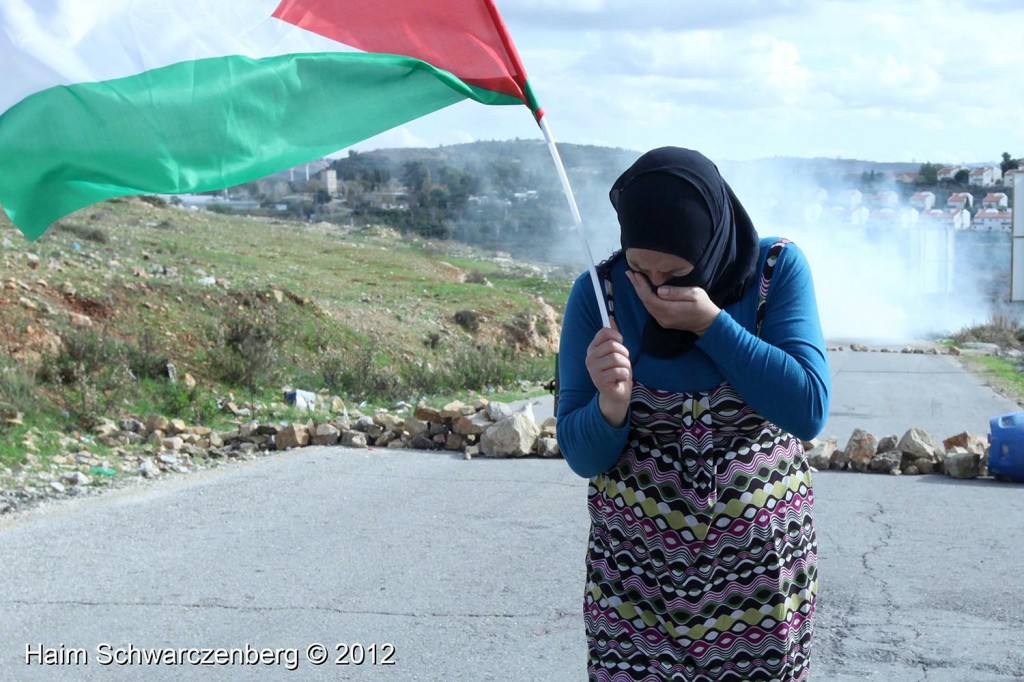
(928, 174)
(415, 175)
(869, 180)
(962, 177)
(1008, 163)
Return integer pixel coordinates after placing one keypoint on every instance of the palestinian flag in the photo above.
(107, 98)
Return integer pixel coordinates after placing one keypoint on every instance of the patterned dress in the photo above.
(702, 561)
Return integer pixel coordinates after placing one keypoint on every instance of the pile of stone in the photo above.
(964, 455)
(488, 428)
(155, 445)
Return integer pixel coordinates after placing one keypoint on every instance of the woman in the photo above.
(686, 415)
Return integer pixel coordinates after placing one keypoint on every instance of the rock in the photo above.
(172, 443)
(387, 438)
(548, 447)
(353, 439)
(453, 410)
(961, 463)
(129, 438)
(981, 346)
(390, 422)
(919, 443)
(188, 381)
(80, 321)
(511, 437)
(415, 427)
(838, 461)
(454, 441)
(887, 443)
(58, 487)
(472, 425)
(428, 414)
(969, 441)
(177, 426)
(369, 427)
(326, 434)
(498, 411)
(421, 441)
(820, 456)
(548, 427)
(924, 465)
(105, 429)
(861, 449)
(149, 469)
(132, 425)
(886, 462)
(292, 436)
(155, 422)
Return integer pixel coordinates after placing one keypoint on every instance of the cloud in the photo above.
(589, 15)
(888, 80)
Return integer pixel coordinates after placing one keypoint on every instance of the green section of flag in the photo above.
(204, 125)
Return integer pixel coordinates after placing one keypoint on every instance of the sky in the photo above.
(938, 81)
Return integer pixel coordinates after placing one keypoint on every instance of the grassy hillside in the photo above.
(94, 311)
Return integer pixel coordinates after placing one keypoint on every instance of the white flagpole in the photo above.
(567, 189)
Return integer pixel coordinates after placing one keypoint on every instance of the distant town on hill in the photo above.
(506, 194)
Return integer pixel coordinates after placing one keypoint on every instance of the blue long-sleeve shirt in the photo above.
(783, 374)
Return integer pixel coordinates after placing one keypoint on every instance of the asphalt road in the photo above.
(425, 566)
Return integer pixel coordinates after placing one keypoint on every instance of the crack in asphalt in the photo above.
(897, 645)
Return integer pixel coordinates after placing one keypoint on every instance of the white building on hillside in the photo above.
(996, 200)
(923, 201)
(960, 200)
(959, 219)
(993, 220)
(985, 177)
(949, 172)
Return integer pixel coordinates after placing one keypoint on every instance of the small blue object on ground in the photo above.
(1006, 449)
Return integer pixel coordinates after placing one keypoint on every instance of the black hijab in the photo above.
(675, 201)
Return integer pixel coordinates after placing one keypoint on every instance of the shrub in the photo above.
(18, 389)
(84, 232)
(468, 320)
(247, 353)
(999, 329)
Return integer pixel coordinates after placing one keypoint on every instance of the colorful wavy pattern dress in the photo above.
(701, 565)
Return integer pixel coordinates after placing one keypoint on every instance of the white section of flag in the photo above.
(44, 43)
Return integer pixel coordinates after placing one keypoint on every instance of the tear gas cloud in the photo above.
(894, 278)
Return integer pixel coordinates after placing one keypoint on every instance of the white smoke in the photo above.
(877, 282)
(892, 282)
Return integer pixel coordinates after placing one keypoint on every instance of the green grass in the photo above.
(367, 315)
(1001, 373)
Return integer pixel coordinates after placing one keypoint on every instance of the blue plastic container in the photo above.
(1006, 449)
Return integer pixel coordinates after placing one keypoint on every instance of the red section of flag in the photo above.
(466, 37)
